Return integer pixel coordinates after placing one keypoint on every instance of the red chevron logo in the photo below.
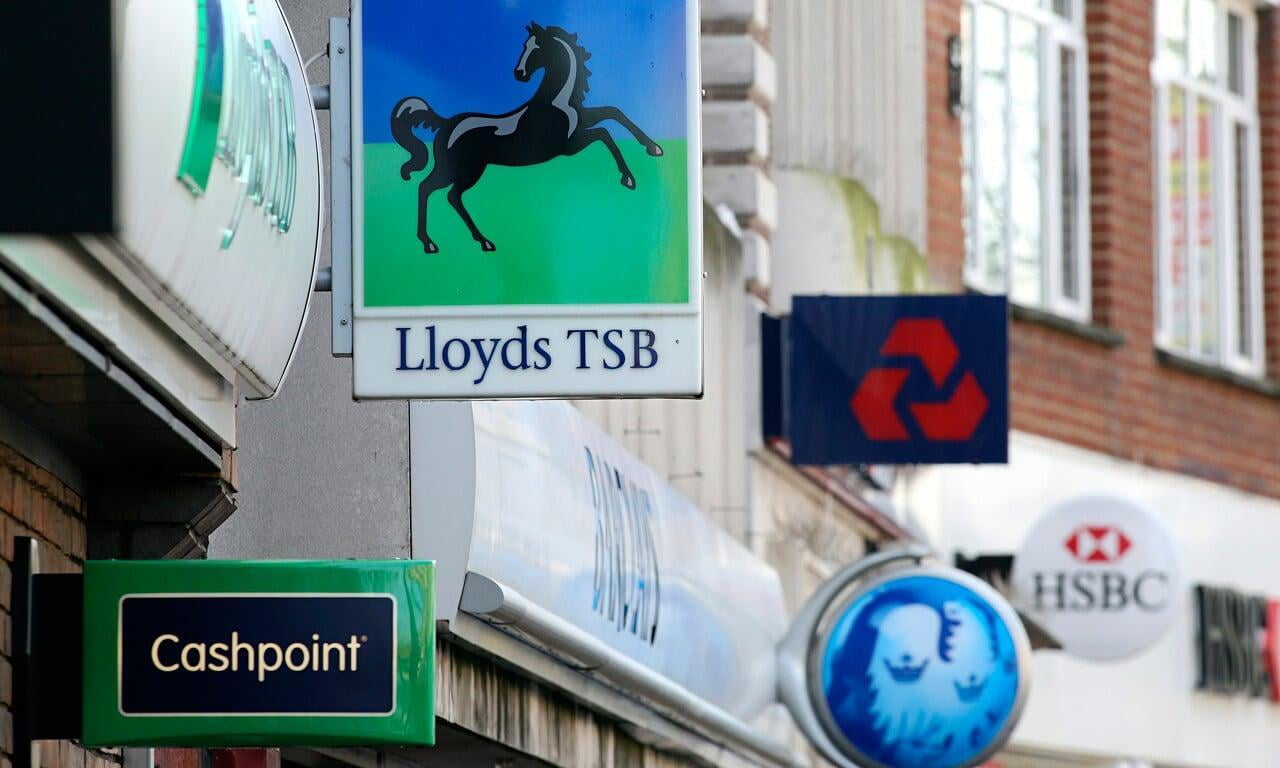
(953, 420)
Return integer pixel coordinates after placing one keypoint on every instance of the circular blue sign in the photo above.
(922, 669)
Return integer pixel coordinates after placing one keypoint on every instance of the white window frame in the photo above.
(1230, 109)
(1056, 33)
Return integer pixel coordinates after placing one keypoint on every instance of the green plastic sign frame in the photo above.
(132, 650)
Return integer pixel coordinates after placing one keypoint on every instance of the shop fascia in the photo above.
(224, 654)
(641, 587)
(635, 580)
(1237, 643)
(219, 215)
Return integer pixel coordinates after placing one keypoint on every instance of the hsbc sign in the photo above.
(1100, 574)
(1237, 643)
(1096, 588)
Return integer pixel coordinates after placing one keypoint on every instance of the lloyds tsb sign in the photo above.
(249, 654)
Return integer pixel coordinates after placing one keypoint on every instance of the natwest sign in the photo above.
(899, 380)
(1102, 575)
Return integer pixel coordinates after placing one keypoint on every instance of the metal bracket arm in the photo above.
(793, 651)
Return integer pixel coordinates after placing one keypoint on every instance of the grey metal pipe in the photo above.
(482, 596)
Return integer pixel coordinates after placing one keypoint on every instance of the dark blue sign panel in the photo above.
(899, 380)
(923, 670)
(257, 654)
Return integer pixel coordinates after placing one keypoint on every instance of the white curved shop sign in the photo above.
(537, 498)
(220, 178)
(1102, 575)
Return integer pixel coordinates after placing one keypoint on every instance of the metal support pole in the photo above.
(324, 280)
(340, 191)
(320, 96)
(48, 644)
(26, 562)
(793, 651)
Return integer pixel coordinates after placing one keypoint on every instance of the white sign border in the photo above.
(605, 312)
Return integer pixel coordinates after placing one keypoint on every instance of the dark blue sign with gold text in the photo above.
(899, 380)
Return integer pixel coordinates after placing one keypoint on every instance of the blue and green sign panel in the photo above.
(526, 171)
(259, 653)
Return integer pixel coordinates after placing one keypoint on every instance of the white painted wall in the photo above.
(851, 85)
(1145, 708)
(700, 446)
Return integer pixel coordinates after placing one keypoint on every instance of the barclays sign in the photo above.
(626, 587)
(538, 499)
(916, 667)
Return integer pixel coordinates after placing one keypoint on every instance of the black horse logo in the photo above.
(551, 124)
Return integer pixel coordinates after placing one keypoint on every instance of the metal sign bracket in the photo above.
(340, 189)
(793, 651)
(48, 643)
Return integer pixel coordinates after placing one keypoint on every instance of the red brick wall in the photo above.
(33, 502)
(1122, 204)
(944, 196)
(1269, 110)
(1122, 401)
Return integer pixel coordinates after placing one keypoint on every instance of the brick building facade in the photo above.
(1106, 385)
(35, 503)
(1129, 146)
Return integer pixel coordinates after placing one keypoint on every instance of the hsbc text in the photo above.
(1094, 590)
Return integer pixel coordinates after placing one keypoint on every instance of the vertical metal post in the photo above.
(340, 191)
(138, 757)
(48, 646)
(26, 562)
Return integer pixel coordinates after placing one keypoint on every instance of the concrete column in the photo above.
(740, 83)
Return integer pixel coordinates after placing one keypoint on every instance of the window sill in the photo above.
(1098, 334)
(1261, 386)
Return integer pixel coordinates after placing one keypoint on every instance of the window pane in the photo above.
(1235, 53)
(991, 132)
(1207, 227)
(1062, 8)
(1070, 178)
(1244, 266)
(1202, 47)
(1178, 323)
(1173, 31)
(1024, 152)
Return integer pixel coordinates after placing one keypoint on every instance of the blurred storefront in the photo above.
(586, 610)
(613, 577)
(123, 354)
(1014, 147)
(534, 666)
(1201, 695)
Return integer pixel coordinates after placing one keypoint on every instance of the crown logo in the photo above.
(905, 672)
(971, 691)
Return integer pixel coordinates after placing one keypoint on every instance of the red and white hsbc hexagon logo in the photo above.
(1102, 575)
(1098, 543)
